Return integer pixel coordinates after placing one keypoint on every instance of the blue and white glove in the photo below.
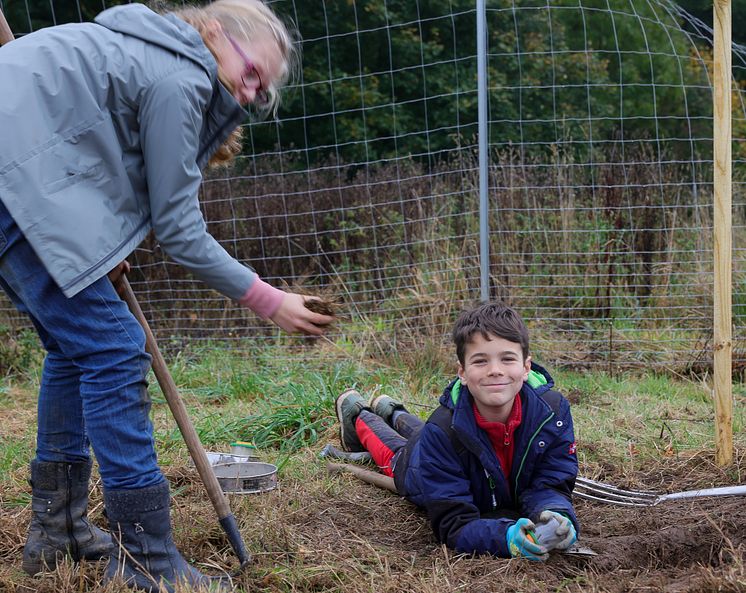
(521, 542)
(555, 531)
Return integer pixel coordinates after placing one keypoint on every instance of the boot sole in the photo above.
(34, 566)
(374, 402)
(338, 405)
(41, 565)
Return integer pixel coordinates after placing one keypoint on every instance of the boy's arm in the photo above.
(553, 475)
(454, 517)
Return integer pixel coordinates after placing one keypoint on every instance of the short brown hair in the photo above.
(490, 319)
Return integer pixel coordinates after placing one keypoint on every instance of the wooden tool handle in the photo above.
(365, 475)
(178, 409)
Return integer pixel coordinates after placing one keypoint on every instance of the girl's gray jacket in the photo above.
(105, 129)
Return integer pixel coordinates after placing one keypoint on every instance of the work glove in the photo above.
(521, 543)
(555, 531)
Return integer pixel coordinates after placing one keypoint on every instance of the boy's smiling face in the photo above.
(494, 371)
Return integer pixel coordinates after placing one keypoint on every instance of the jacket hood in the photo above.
(167, 31)
(175, 35)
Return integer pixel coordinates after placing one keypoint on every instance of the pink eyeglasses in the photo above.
(250, 75)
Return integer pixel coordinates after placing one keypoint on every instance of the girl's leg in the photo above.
(60, 474)
(379, 439)
(94, 332)
(61, 433)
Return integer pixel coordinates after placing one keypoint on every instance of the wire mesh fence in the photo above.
(366, 185)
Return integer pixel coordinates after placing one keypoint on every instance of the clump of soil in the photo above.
(322, 306)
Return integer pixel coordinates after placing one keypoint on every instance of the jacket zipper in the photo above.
(491, 484)
(203, 149)
(525, 454)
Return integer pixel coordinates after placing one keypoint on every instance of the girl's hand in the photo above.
(294, 317)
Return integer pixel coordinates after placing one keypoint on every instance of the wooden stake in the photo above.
(723, 341)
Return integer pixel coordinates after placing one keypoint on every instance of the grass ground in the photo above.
(318, 532)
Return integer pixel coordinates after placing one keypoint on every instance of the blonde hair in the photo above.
(245, 20)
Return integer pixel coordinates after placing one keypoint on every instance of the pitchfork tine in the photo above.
(594, 483)
(607, 493)
(601, 495)
(600, 486)
(626, 503)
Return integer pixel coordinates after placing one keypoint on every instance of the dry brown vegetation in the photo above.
(613, 260)
(321, 533)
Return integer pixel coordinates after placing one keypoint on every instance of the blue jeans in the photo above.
(93, 382)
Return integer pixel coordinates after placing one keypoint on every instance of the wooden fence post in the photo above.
(722, 339)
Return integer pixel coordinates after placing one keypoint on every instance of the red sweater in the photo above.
(501, 435)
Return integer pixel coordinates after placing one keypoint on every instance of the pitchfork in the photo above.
(584, 488)
(600, 492)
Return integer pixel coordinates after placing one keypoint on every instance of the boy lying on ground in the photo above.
(495, 464)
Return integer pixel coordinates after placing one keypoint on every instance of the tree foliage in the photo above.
(384, 78)
(702, 9)
(396, 77)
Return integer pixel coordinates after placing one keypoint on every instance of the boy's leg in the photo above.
(396, 415)
(379, 439)
(407, 424)
(349, 404)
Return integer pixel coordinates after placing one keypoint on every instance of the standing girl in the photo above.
(111, 123)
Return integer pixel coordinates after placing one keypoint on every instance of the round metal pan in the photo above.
(246, 477)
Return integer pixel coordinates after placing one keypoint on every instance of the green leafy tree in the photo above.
(702, 9)
(394, 77)
(387, 78)
(656, 86)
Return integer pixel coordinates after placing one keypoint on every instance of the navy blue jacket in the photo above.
(459, 482)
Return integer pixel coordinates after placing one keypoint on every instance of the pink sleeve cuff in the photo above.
(262, 298)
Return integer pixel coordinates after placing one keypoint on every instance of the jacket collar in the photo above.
(224, 114)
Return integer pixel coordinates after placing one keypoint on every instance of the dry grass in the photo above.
(336, 534)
